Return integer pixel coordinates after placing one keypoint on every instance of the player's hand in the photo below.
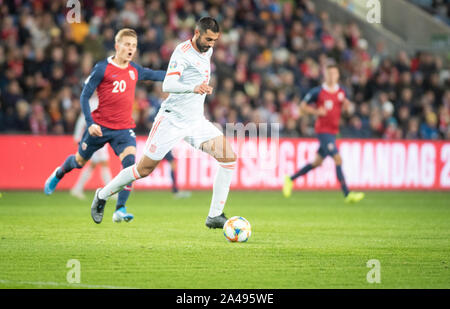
(321, 111)
(95, 130)
(203, 89)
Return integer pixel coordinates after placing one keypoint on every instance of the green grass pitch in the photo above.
(312, 240)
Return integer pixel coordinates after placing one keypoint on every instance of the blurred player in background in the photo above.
(99, 158)
(181, 116)
(173, 167)
(329, 99)
(115, 80)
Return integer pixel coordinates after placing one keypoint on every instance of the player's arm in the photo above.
(172, 81)
(308, 109)
(346, 103)
(172, 84)
(149, 74)
(306, 106)
(90, 85)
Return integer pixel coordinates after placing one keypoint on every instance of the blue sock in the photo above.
(67, 166)
(174, 182)
(125, 193)
(303, 171)
(341, 178)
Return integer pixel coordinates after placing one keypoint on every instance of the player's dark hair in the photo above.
(208, 23)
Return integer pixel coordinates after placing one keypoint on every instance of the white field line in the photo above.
(58, 284)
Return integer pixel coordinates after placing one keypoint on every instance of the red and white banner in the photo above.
(26, 162)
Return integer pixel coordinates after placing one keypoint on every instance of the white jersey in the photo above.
(193, 69)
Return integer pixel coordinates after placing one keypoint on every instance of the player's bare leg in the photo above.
(80, 160)
(221, 150)
(350, 196)
(289, 180)
(146, 166)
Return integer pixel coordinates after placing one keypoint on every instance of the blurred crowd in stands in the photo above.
(270, 54)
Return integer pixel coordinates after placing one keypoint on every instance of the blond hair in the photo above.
(125, 32)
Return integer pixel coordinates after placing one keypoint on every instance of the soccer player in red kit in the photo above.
(115, 80)
(329, 99)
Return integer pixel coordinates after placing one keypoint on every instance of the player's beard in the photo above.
(202, 48)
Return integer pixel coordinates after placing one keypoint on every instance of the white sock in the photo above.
(83, 178)
(221, 187)
(106, 174)
(126, 176)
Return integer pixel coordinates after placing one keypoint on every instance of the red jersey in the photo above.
(115, 89)
(331, 100)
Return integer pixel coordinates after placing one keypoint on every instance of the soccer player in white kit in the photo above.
(181, 116)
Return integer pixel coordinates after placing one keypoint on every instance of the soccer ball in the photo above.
(237, 229)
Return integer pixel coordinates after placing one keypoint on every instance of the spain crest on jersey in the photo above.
(133, 77)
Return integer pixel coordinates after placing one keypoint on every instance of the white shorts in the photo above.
(100, 155)
(164, 135)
